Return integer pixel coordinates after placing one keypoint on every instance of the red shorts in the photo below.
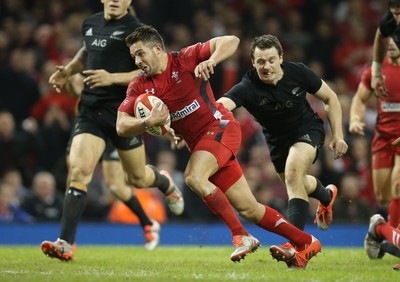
(383, 152)
(224, 143)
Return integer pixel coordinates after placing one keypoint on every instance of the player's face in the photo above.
(115, 9)
(145, 58)
(396, 14)
(267, 63)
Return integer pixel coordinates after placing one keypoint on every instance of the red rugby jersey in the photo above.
(190, 100)
(388, 108)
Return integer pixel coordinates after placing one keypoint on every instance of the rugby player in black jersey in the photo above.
(274, 92)
(389, 26)
(114, 178)
(106, 63)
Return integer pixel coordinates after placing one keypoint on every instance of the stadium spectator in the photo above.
(18, 149)
(43, 202)
(50, 121)
(276, 90)
(322, 46)
(353, 53)
(13, 177)
(211, 134)
(11, 212)
(350, 207)
(105, 82)
(19, 90)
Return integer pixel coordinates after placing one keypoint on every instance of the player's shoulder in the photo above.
(138, 82)
(140, 78)
(288, 65)
(132, 21)
(191, 51)
(296, 69)
(96, 17)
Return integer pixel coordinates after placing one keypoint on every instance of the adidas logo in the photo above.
(305, 137)
(89, 32)
(264, 101)
(133, 141)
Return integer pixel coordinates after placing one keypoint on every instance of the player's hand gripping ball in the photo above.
(143, 105)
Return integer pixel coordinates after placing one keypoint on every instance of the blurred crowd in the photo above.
(333, 37)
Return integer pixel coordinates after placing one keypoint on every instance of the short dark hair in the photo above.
(147, 34)
(265, 41)
(394, 4)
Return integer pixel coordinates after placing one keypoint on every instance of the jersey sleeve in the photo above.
(314, 82)
(238, 93)
(366, 78)
(128, 103)
(387, 24)
(192, 55)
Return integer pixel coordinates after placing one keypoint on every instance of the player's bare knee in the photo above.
(112, 186)
(292, 178)
(79, 174)
(193, 181)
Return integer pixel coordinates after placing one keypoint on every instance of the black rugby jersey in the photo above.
(282, 109)
(106, 49)
(389, 27)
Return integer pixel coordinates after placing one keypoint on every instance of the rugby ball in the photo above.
(144, 103)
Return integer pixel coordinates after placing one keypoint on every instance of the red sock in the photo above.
(275, 222)
(394, 212)
(220, 206)
(391, 234)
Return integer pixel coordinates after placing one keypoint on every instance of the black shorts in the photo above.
(101, 122)
(280, 152)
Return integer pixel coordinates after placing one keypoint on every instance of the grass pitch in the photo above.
(126, 263)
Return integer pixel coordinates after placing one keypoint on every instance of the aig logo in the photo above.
(99, 42)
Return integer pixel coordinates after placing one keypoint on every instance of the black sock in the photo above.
(322, 194)
(297, 212)
(74, 204)
(134, 205)
(390, 249)
(161, 181)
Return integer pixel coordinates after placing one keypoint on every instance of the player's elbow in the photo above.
(121, 129)
(234, 40)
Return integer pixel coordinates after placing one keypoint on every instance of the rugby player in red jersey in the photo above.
(385, 155)
(180, 80)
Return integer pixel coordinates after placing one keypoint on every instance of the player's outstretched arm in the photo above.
(228, 103)
(334, 113)
(221, 48)
(358, 108)
(379, 50)
(60, 77)
(101, 78)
